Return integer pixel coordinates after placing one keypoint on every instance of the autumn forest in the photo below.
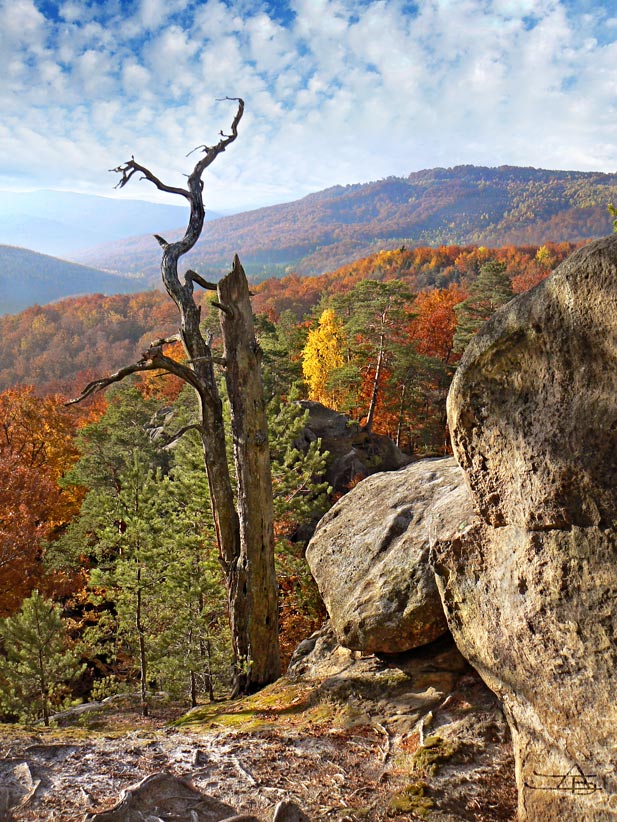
(108, 556)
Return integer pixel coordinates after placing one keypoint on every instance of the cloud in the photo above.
(337, 91)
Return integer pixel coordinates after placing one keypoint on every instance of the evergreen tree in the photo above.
(38, 665)
(192, 652)
(491, 289)
(150, 541)
(301, 493)
(282, 345)
(301, 497)
(124, 529)
(110, 445)
(376, 319)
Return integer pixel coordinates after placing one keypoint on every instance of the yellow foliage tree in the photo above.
(323, 353)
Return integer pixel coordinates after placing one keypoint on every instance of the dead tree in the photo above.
(244, 532)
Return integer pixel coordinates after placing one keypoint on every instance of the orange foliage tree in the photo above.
(36, 450)
(434, 322)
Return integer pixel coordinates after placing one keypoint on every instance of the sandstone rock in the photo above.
(165, 797)
(369, 555)
(354, 453)
(530, 591)
(534, 612)
(532, 406)
(289, 812)
(17, 787)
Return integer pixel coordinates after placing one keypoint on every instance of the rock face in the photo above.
(530, 590)
(369, 555)
(354, 453)
(532, 407)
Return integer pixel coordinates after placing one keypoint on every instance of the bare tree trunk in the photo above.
(43, 688)
(401, 408)
(209, 674)
(376, 380)
(143, 663)
(244, 536)
(252, 578)
(193, 689)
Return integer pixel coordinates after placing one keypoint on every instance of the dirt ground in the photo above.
(372, 742)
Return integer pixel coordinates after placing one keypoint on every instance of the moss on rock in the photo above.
(414, 798)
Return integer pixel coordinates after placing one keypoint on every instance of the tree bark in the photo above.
(376, 381)
(143, 662)
(245, 535)
(252, 578)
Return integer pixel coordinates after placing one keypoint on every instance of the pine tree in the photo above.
(487, 293)
(38, 665)
(127, 528)
(376, 318)
(282, 344)
(301, 497)
(192, 653)
(151, 542)
(301, 493)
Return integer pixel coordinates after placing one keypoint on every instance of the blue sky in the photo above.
(336, 91)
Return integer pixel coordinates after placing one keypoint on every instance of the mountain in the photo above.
(63, 222)
(455, 206)
(27, 278)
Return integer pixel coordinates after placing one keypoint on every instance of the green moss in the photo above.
(414, 798)
(283, 702)
(432, 755)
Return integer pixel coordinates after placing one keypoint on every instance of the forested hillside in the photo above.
(99, 514)
(59, 346)
(27, 277)
(461, 205)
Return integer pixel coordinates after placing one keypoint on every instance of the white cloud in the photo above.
(346, 91)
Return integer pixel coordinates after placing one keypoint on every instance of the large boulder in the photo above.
(530, 590)
(532, 406)
(369, 555)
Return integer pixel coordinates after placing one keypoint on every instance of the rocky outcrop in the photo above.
(369, 555)
(530, 590)
(442, 728)
(354, 452)
(532, 406)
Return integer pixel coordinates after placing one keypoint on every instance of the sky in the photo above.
(336, 91)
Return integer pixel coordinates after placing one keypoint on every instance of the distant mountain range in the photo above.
(461, 205)
(63, 222)
(27, 277)
(457, 206)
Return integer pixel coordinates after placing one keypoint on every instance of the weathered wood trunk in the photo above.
(253, 591)
(245, 534)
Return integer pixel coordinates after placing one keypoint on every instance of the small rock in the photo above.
(289, 812)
